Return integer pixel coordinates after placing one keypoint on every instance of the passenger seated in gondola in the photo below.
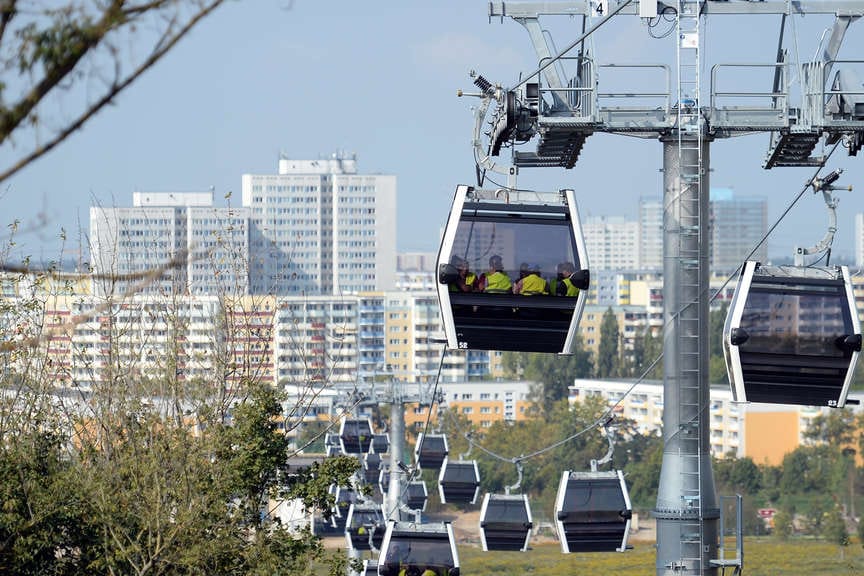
(495, 281)
(531, 283)
(467, 280)
(563, 285)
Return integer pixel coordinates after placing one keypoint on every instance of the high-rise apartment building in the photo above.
(204, 249)
(320, 227)
(651, 234)
(315, 228)
(612, 243)
(737, 224)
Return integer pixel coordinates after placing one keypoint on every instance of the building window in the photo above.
(467, 410)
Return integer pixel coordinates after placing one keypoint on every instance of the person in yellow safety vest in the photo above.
(495, 280)
(532, 283)
(563, 285)
(467, 280)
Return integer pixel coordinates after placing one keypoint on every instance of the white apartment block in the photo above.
(612, 243)
(651, 234)
(208, 245)
(644, 405)
(775, 429)
(320, 227)
(737, 225)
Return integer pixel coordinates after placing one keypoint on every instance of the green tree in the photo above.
(553, 373)
(717, 372)
(647, 350)
(739, 475)
(608, 361)
(834, 529)
(837, 428)
(782, 524)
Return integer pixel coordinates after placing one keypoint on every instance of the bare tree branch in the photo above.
(9, 121)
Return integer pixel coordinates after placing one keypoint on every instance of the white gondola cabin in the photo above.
(505, 522)
(345, 497)
(380, 443)
(355, 435)
(792, 335)
(371, 468)
(430, 451)
(416, 548)
(416, 495)
(459, 482)
(593, 512)
(365, 527)
(512, 274)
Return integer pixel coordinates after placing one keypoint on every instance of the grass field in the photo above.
(762, 557)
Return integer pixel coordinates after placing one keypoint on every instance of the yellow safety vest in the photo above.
(498, 282)
(570, 290)
(534, 284)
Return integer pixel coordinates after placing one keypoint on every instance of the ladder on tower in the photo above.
(690, 135)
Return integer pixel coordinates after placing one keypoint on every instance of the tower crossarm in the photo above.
(567, 102)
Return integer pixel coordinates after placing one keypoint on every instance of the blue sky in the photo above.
(379, 79)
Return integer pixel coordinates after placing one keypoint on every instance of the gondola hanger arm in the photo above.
(608, 456)
(826, 187)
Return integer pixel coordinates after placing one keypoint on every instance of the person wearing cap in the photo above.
(495, 280)
(467, 280)
(563, 285)
(532, 283)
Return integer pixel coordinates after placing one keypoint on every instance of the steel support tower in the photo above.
(559, 113)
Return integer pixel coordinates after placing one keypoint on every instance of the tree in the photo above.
(834, 529)
(739, 475)
(51, 49)
(608, 362)
(717, 372)
(554, 373)
(782, 528)
(837, 428)
(647, 349)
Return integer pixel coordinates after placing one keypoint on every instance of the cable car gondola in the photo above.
(792, 335)
(380, 443)
(416, 548)
(384, 478)
(459, 481)
(370, 567)
(355, 435)
(332, 446)
(365, 527)
(416, 495)
(371, 468)
(505, 522)
(593, 512)
(430, 451)
(497, 236)
(345, 497)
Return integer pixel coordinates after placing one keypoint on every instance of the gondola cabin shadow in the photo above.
(792, 335)
(512, 273)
